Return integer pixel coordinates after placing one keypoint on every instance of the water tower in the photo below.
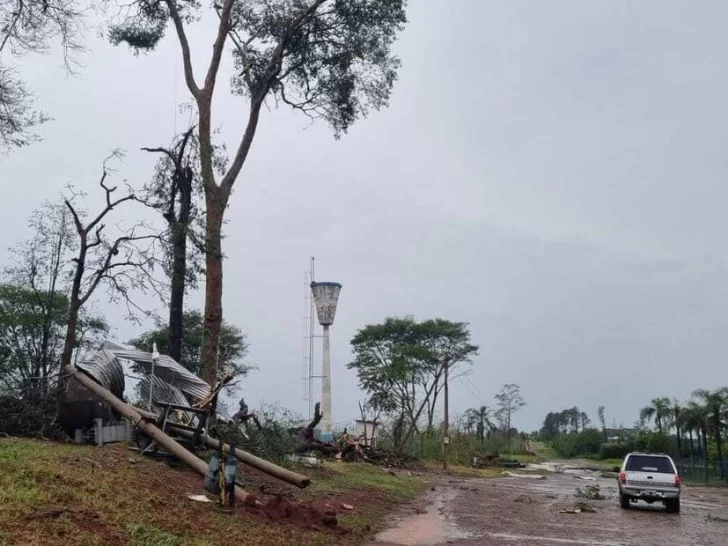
(326, 296)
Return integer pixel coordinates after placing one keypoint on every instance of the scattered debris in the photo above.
(483, 461)
(311, 462)
(523, 498)
(200, 498)
(346, 506)
(591, 492)
(715, 519)
(307, 440)
(551, 497)
(588, 478)
(580, 507)
(531, 476)
(585, 507)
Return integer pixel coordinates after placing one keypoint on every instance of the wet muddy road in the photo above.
(517, 510)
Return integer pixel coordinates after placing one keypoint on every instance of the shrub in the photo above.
(614, 450)
(653, 441)
(566, 445)
(576, 444)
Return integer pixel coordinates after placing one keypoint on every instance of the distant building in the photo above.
(620, 435)
(367, 432)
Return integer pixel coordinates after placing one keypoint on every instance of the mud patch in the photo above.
(305, 514)
(428, 527)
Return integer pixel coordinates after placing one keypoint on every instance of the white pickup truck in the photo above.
(651, 477)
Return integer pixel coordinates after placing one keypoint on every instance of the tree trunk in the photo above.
(719, 447)
(73, 309)
(177, 289)
(705, 451)
(213, 284)
(679, 443)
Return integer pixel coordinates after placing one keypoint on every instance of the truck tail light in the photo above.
(623, 477)
(677, 480)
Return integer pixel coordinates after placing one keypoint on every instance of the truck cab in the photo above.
(649, 477)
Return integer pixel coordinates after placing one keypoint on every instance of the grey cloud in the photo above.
(551, 172)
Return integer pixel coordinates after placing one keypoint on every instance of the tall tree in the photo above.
(675, 409)
(691, 420)
(173, 191)
(326, 58)
(602, 419)
(696, 417)
(509, 401)
(715, 403)
(35, 300)
(28, 26)
(43, 264)
(584, 420)
(233, 344)
(124, 262)
(400, 364)
(659, 410)
(32, 332)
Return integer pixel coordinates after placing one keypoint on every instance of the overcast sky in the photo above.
(552, 173)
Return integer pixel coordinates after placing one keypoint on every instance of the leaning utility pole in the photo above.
(446, 425)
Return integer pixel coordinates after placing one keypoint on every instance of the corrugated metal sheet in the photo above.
(105, 368)
(165, 368)
(165, 393)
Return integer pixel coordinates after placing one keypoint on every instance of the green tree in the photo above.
(400, 364)
(479, 418)
(509, 401)
(233, 344)
(328, 59)
(659, 410)
(28, 26)
(32, 333)
(36, 307)
(715, 403)
(693, 418)
(602, 419)
(675, 410)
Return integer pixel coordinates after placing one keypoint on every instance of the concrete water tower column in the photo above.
(326, 296)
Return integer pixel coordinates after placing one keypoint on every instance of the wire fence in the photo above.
(695, 469)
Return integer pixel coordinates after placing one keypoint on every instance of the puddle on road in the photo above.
(521, 539)
(428, 529)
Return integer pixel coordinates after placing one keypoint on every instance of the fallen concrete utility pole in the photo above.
(264, 466)
(148, 428)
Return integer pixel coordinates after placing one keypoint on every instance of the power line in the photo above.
(472, 389)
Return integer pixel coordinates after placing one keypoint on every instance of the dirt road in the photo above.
(517, 510)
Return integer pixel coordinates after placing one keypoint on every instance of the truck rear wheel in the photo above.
(624, 501)
(673, 505)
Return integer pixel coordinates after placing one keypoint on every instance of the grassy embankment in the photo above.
(52, 494)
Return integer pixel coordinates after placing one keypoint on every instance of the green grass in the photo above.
(110, 497)
(145, 535)
(611, 462)
(372, 490)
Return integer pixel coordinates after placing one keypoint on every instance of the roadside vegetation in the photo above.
(54, 493)
(691, 431)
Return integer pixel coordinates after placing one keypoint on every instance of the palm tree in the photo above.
(659, 410)
(688, 421)
(676, 409)
(715, 403)
(479, 418)
(696, 417)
